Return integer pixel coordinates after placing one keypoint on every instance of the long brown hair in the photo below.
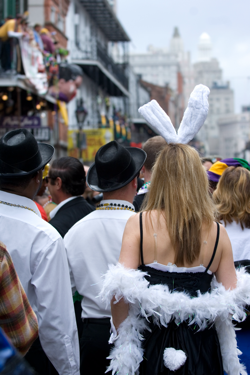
(179, 191)
(232, 196)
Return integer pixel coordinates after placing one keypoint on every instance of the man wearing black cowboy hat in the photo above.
(95, 242)
(38, 253)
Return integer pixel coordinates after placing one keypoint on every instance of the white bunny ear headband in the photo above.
(193, 119)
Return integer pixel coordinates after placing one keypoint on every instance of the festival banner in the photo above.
(91, 140)
(34, 68)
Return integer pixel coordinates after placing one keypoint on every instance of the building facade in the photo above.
(98, 44)
(24, 99)
(12, 7)
(207, 71)
(90, 34)
(158, 65)
(89, 43)
(234, 135)
(168, 68)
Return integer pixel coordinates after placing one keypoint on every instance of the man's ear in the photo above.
(134, 182)
(38, 180)
(58, 183)
(142, 172)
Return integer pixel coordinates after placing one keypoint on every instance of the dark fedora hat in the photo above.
(21, 155)
(115, 166)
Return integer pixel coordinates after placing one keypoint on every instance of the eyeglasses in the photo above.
(46, 179)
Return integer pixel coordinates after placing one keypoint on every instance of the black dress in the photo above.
(202, 348)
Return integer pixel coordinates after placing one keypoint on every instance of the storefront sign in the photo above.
(41, 134)
(25, 122)
(92, 140)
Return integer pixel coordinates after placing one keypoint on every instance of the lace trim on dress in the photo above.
(174, 268)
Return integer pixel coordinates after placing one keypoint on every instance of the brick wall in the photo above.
(160, 94)
(55, 13)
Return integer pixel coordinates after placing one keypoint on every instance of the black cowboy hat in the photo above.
(115, 166)
(21, 155)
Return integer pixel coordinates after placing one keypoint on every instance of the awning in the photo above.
(21, 98)
(19, 81)
(104, 16)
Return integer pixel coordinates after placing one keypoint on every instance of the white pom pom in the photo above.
(174, 359)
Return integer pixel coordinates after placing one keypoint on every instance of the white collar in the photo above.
(55, 210)
(19, 200)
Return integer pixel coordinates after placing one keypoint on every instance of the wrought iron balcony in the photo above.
(118, 70)
(100, 67)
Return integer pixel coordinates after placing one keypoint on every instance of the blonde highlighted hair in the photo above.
(232, 196)
(179, 191)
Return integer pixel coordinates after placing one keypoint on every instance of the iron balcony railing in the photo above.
(117, 70)
(98, 52)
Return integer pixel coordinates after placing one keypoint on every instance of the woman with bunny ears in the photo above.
(169, 313)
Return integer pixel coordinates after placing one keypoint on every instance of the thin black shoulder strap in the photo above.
(215, 247)
(141, 239)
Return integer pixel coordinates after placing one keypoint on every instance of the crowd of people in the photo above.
(37, 36)
(147, 275)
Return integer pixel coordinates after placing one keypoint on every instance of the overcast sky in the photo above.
(226, 21)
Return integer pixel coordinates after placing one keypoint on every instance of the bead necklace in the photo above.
(17, 205)
(144, 188)
(114, 206)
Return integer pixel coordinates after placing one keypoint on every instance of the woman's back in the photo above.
(157, 246)
(156, 252)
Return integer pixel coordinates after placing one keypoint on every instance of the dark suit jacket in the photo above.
(138, 200)
(70, 213)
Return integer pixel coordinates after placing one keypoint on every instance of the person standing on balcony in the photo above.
(48, 44)
(11, 29)
(36, 31)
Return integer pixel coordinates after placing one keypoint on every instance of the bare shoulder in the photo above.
(134, 218)
(133, 222)
(225, 272)
(223, 231)
(129, 255)
(224, 240)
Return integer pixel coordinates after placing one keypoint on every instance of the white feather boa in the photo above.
(158, 302)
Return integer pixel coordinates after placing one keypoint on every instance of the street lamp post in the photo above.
(81, 114)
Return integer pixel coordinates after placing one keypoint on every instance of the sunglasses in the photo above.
(47, 179)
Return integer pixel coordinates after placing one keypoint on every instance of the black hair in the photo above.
(72, 174)
(69, 71)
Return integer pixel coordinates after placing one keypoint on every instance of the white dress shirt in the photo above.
(92, 244)
(40, 260)
(57, 208)
(240, 240)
